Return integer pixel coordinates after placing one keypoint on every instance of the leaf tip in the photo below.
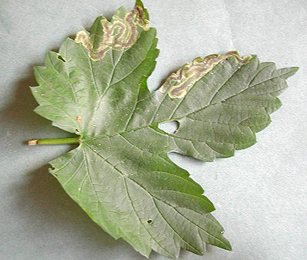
(286, 73)
(140, 6)
(225, 243)
(294, 70)
(229, 247)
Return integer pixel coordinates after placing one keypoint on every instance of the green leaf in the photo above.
(225, 108)
(120, 174)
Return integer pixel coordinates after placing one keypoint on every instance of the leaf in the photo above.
(120, 174)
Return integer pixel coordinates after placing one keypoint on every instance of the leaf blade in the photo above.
(225, 108)
(120, 175)
(147, 197)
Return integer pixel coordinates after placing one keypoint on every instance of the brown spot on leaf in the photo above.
(79, 119)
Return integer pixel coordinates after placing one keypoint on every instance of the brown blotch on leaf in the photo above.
(79, 119)
(120, 33)
(179, 82)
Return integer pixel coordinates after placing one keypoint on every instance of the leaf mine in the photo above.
(120, 33)
(178, 83)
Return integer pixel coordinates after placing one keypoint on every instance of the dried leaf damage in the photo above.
(178, 83)
(117, 35)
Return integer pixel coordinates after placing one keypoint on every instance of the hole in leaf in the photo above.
(169, 127)
(149, 221)
(61, 58)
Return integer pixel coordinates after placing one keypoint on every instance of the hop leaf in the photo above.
(120, 174)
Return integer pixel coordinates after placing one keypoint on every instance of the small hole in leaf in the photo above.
(61, 58)
(149, 221)
(169, 127)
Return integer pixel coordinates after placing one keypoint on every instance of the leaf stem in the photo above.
(74, 140)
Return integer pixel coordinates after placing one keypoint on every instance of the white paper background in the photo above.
(260, 194)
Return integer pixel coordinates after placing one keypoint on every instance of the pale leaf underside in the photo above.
(120, 174)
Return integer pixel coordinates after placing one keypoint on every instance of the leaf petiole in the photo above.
(74, 140)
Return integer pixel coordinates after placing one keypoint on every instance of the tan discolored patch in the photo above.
(79, 119)
(178, 83)
(118, 34)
